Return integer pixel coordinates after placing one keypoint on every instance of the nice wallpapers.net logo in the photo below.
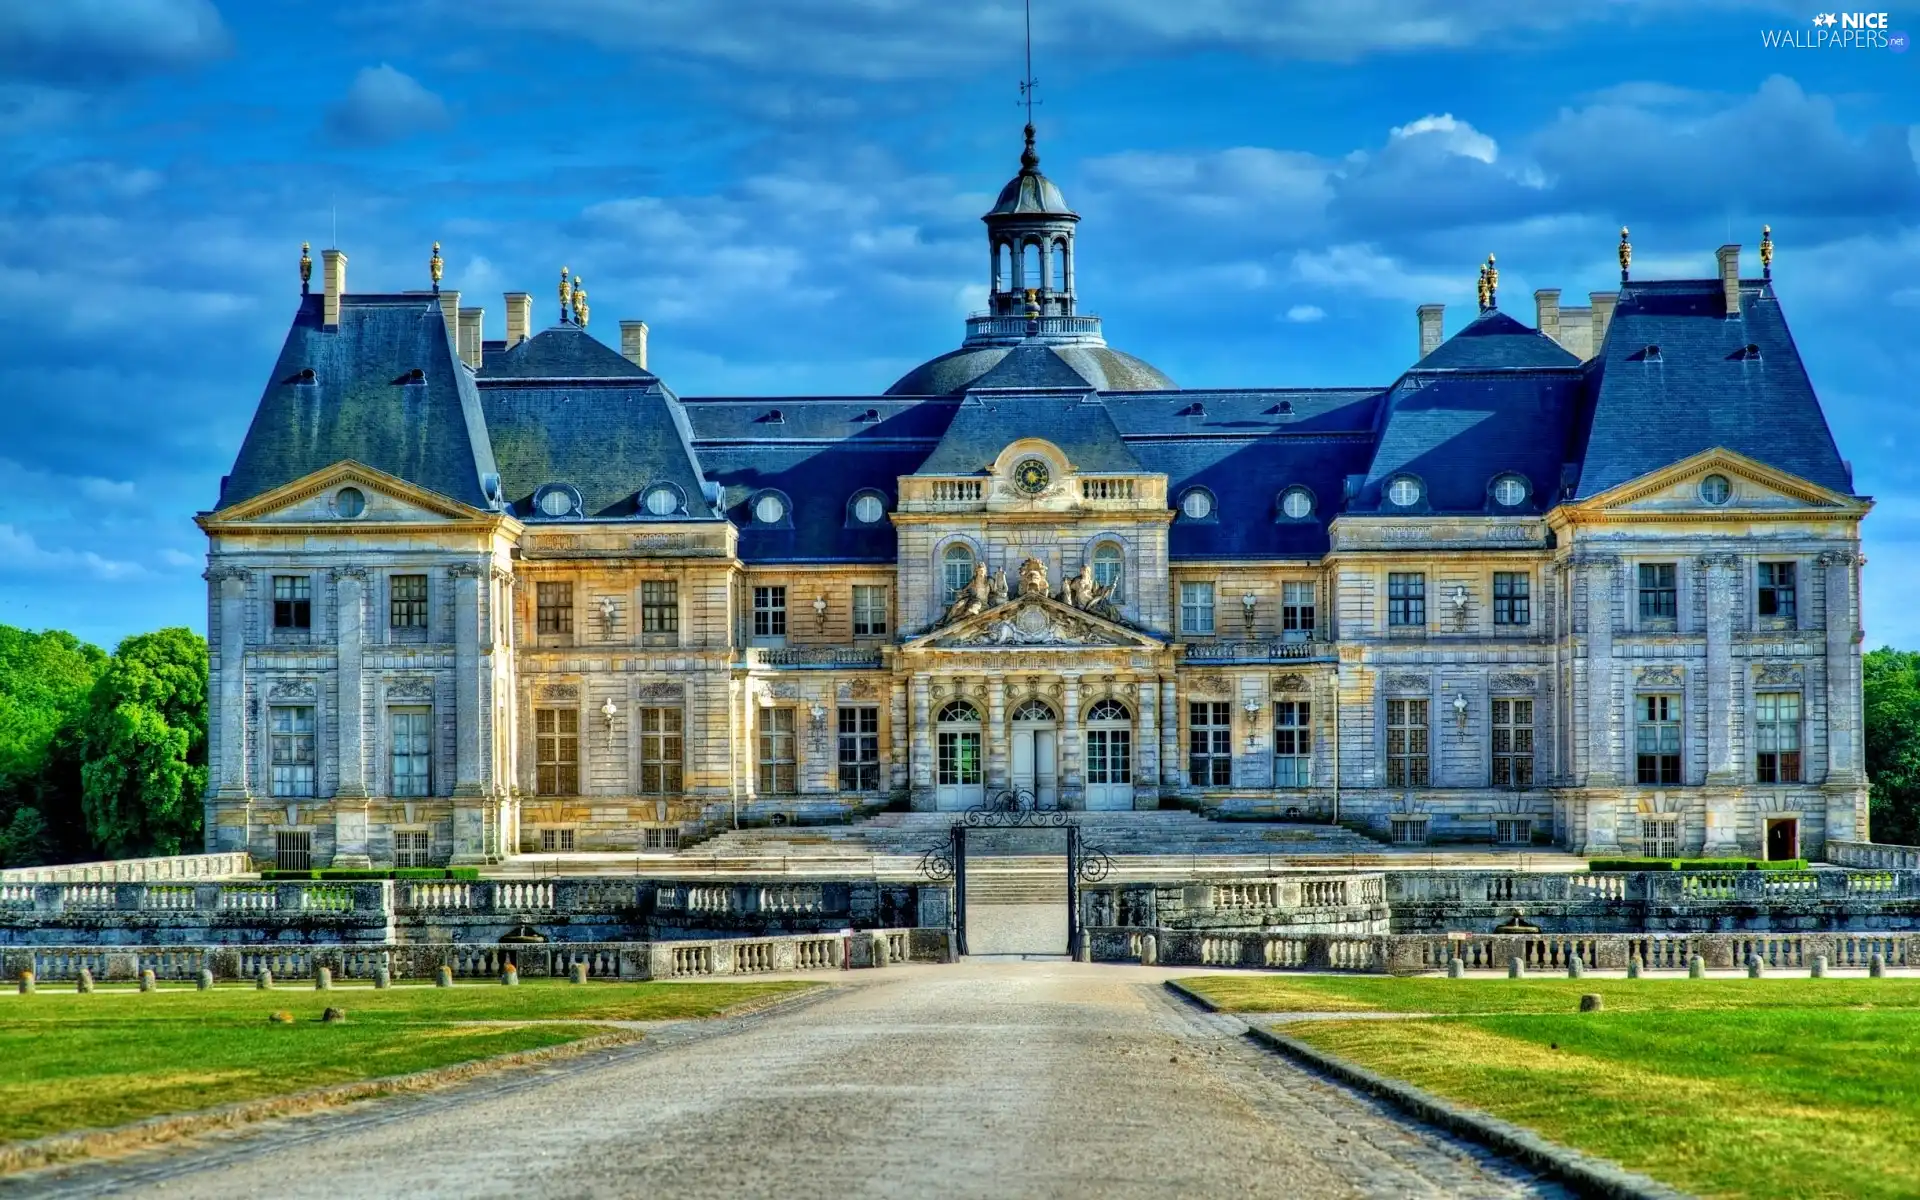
(1839, 31)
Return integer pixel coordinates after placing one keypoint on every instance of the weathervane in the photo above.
(1029, 159)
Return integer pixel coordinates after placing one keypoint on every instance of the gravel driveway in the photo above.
(984, 1079)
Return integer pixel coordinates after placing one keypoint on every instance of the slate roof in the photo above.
(560, 352)
(1494, 341)
(609, 438)
(987, 421)
(364, 404)
(1456, 431)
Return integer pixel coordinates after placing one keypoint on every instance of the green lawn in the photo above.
(72, 1062)
(1776, 1087)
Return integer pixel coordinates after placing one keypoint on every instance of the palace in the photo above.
(1592, 582)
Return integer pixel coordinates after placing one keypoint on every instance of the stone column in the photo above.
(749, 741)
(471, 836)
(1844, 784)
(897, 735)
(1170, 776)
(1603, 751)
(1719, 575)
(350, 797)
(1072, 783)
(1146, 773)
(997, 750)
(921, 766)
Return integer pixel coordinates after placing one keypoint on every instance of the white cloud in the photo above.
(21, 552)
(1306, 313)
(1452, 136)
(384, 105)
(1364, 269)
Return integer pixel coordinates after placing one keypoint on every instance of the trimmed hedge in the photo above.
(1696, 864)
(346, 876)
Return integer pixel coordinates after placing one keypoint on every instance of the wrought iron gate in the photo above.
(1015, 808)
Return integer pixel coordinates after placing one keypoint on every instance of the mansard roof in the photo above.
(1494, 341)
(386, 389)
(1458, 431)
(562, 352)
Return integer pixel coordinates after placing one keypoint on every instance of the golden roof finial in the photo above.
(1626, 254)
(566, 295)
(1481, 287)
(580, 309)
(306, 266)
(435, 265)
(1766, 252)
(1493, 284)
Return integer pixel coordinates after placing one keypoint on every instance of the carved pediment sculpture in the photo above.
(973, 598)
(1033, 578)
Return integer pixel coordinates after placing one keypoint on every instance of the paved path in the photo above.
(977, 1080)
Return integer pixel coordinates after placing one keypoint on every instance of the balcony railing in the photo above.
(1257, 650)
(986, 327)
(813, 656)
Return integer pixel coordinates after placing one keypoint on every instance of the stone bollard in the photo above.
(382, 979)
(146, 980)
(1575, 968)
(1877, 967)
(1456, 968)
(1149, 950)
(263, 980)
(1696, 967)
(579, 973)
(1085, 953)
(1755, 969)
(322, 979)
(85, 982)
(510, 976)
(26, 982)
(204, 981)
(879, 957)
(1819, 970)
(443, 977)
(1516, 968)
(1634, 967)
(1592, 1002)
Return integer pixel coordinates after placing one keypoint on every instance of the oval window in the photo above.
(662, 502)
(349, 502)
(1510, 490)
(1297, 504)
(1197, 505)
(555, 502)
(1404, 491)
(867, 508)
(1715, 489)
(769, 510)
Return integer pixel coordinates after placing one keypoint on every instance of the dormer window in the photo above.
(1510, 491)
(1197, 504)
(1296, 504)
(868, 507)
(556, 500)
(770, 508)
(1404, 491)
(660, 500)
(1650, 354)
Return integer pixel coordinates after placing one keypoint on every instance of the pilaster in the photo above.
(1072, 779)
(1146, 776)
(922, 758)
(1719, 575)
(1170, 776)
(472, 831)
(997, 779)
(1603, 758)
(350, 797)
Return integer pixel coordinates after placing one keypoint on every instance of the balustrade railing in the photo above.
(138, 870)
(813, 656)
(1873, 855)
(1256, 650)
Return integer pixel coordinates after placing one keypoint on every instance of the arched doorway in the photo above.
(957, 780)
(1036, 758)
(1109, 756)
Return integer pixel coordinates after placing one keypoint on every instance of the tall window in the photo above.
(1656, 739)
(869, 610)
(553, 608)
(1406, 598)
(860, 749)
(1297, 611)
(1659, 593)
(292, 602)
(1106, 567)
(557, 751)
(1407, 762)
(1779, 599)
(290, 729)
(661, 751)
(1777, 726)
(412, 732)
(407, 607)
(1512, 598)
(770, 612)
(1109, 743)
(1196, 608)
(779, 772)
(956, 569)
(1210, 743)
(1292, 744)
(1512, 743)
(660, 611)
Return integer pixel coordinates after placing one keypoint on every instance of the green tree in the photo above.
(144, 739)
(1891, 683)
(46, 680)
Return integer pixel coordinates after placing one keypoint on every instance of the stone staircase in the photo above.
(1016, 904)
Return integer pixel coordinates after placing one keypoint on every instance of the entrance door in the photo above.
(957, 778)
(1783, 839)
(1109, 756)
(1036, 768)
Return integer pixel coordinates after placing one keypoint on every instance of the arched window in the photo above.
(1108, 709)
(1106, 567)
(1060, 265)
(956, 568)
(1030, 265)
(959, 712)
(1003, 268)
(1033, 709)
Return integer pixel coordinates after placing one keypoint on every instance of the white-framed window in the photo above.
(1107, 566)
(770, 509)
(779, 769)
(1407, 745)
(1776, 721)
(660, 611)
(1196, 608)
(1297, 612)
(1509, 490)
(956, 568)
(1715, 490)
(1660, 835)
(770, 611)
(859, 748)
(1404, 491)
(1512, 741)
(290, 736)
(1656, 739)
(556, 734)
(660, 501)
(662, 750)
(1296, 504)
(1196, 504)
(411, 729)
(1292, 743)
(868, 508)
(1210, 743)
(869, 610)
(412, 848)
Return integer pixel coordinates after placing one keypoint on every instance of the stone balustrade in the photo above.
(178, 867)
(143, 913)
(1873, 855)
(813, 656)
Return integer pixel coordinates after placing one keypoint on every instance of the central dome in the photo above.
(1032, 364)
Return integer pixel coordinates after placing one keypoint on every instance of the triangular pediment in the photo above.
(1034, 623)
(1678, 488)
(315, 499)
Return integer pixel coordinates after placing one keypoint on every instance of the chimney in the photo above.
(1602, 303)
(450, 310)
(333, 269)
(1431, 334)
(519, 318)
(1729, 257)
(1546, 311)
(470, 322)
(633, 342)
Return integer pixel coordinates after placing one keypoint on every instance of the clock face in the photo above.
(1031, 476)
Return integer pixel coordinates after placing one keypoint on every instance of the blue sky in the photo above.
(789, 192)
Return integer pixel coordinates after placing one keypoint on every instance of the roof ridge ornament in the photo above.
(1626, 254)
(1493, 284)
(1766, 252)
(1029, 158)
(580, 309)
(306, 267)
(435, 266)
(566, 296)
